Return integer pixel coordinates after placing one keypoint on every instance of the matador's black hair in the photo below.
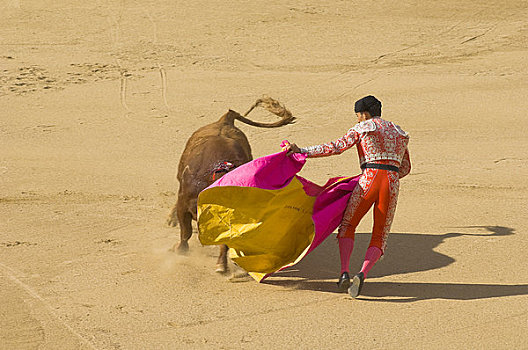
(368, 104)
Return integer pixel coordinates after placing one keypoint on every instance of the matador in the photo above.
(384, 159)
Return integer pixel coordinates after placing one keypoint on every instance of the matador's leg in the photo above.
(384, 211)
(357, 207)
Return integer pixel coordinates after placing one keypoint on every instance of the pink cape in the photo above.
(275, 172)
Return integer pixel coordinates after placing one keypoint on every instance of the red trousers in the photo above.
(378, 188)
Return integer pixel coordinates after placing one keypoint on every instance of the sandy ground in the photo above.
(98, 98)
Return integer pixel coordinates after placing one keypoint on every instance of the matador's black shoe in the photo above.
(344, 282)
(357, 284)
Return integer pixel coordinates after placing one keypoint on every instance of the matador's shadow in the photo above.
(407, 253)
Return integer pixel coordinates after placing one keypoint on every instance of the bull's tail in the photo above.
(272, 106)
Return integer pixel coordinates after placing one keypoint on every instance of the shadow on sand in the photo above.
(407, 253)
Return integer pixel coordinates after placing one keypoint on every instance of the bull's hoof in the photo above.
(172, 222)
(181, 248)
(221, 268)
(239, 276)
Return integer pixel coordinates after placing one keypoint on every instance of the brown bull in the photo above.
(209, 153)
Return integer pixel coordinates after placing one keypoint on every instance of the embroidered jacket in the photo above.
(377, 140)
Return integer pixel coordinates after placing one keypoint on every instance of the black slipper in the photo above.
(344, 282)
(357, 284)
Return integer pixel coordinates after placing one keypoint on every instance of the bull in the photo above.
(210, 152)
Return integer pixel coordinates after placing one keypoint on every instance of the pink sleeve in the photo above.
(350, 139)
(405, 166)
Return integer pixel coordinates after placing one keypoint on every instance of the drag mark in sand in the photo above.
(505, 159)
(123, 74)
(253, 314)
(478, 36)
(11, 274)
(437, 37)
(123, 86)
(163, 74)
(115, 29)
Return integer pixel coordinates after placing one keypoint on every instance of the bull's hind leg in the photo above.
(221, 263)
(185, 221)
(172, 219)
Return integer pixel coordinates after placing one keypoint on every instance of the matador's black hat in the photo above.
(368, 104)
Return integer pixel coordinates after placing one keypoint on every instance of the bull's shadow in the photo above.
(406, 253)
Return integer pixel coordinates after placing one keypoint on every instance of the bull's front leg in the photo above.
(185, 222)
(221, 263)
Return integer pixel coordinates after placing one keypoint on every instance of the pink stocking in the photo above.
(372, 256)
(346, 245)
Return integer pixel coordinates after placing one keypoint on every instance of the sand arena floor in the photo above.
(98, 98)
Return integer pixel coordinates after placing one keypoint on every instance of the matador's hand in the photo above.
(292, 148)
